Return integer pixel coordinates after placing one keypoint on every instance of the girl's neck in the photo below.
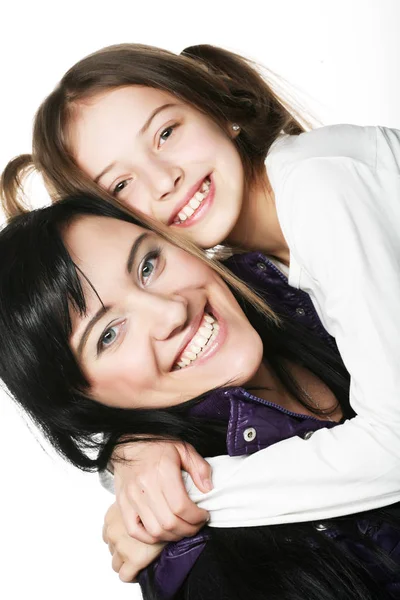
(258, 225)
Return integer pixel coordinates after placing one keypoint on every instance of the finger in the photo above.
(111, 548)
(167, 527)
(139, 533)
(155, 512)
(130, 516)
(116, 562)
(104, 533)
(181, 505)
(128, 573)
(197, 467)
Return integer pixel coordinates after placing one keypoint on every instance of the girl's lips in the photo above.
(202, 210)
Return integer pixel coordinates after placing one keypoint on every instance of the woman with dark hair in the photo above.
(99, 319)
(202, 143)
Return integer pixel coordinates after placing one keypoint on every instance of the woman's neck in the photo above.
(258, 225)
(267, 386)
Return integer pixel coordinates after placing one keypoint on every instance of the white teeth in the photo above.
(200, 340)
(188, 210)
(206, 333)
(194, 203)
(195, 349)
(203, 331)
(199, 196)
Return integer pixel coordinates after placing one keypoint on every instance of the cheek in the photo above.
(121, 380)
(247, 354)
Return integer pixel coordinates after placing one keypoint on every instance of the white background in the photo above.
(343, 55)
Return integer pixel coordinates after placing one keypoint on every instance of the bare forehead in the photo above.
(101, 126)
(90, 236)
(133, 99)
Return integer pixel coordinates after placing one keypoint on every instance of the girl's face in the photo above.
(161, 327)
(162, 157)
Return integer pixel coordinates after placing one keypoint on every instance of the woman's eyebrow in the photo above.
(135, 247)
(99, 314)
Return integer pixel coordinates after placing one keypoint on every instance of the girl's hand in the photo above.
(151, 494)
(129, 556)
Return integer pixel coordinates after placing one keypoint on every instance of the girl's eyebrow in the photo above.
(154, 114)
(104, 171)
(141, 132)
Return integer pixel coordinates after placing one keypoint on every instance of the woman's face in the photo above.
(162, 157)
(161, 327)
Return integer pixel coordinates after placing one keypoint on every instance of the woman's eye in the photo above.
(148, 266)
(166, 134)
(108, 338)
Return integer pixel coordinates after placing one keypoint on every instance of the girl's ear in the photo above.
(234, 130)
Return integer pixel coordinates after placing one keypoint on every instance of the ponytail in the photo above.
(224, 86)
(12, 182)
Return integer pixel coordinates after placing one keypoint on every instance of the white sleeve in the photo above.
(341, 219)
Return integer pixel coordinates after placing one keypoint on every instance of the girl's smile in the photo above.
(161, 157)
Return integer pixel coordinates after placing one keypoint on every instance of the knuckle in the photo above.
(132, 530)
(155, 531)
(181, 505)
(127, 576)
(169, 524)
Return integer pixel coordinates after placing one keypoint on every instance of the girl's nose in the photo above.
(164, 179)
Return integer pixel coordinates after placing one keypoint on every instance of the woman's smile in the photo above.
(155, 317)
(206, 340)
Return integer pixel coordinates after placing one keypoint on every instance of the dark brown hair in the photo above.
(224, 86)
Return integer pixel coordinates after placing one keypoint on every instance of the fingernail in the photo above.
(208, 484)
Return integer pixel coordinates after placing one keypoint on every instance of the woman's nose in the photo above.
(169, 316)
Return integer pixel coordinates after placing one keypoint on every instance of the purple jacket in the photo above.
(254, 424)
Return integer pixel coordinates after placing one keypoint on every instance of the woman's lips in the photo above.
(206, 341)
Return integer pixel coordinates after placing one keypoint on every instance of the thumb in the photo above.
(197, 467)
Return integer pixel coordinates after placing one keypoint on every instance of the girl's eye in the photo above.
(148, 266)
(166, 134)
(120, 187)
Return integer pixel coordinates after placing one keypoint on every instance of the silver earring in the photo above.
(235, 127)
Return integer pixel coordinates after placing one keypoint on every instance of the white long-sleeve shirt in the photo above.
(337, 192)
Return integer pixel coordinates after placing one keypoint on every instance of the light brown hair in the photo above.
(224, 86)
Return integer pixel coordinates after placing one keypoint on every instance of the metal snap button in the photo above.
(321, 527)
(300, 311)
(307, 435)
(249, 434)
(262, 266)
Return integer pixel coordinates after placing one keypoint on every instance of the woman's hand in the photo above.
(151, 494)
(129, 556)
